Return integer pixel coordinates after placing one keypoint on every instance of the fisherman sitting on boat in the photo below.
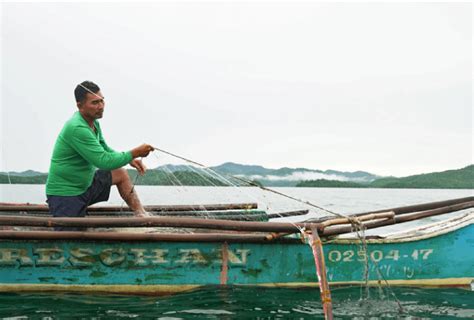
(73, 182)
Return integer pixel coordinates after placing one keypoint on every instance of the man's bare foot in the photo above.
(143, 214)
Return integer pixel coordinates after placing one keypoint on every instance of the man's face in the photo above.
(93, 106)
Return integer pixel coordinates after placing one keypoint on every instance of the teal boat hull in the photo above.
(440, 259)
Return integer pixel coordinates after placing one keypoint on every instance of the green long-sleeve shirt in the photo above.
(77, 153)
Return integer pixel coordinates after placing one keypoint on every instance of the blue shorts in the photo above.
(76, 206)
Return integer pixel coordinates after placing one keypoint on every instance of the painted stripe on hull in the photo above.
(449, 282)
(89, 288)
(170, 289)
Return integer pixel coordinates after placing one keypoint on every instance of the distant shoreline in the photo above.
(299, 187)
(451, 179)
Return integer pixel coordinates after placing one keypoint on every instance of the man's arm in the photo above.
(102, 139)
(141, 151)
(85, 143)
(106, 146)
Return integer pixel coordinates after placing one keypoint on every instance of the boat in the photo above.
(230, 252)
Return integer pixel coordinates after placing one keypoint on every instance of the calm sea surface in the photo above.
(253, 303)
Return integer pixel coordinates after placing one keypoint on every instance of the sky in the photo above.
(380, 87)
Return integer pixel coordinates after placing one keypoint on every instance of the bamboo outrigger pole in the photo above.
(407, 209)
(376, 223)
(89, 222)
(324, 228)
(131, 236)
(318, 253)
(162, 208)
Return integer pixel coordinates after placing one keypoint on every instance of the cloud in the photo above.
(301, 175)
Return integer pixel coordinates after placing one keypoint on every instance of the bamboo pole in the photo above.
(209, 223)
(210, 215)
(371, 224)
(407, 209)
(196, 213)
(226, 215)
(151, 208)
(217, 237)
(428, 206)
(234, 217)
(288, 214)
(129, 236)
(318, 253)
(241, 216)
(152, 222)
(282, 228)
(332, 222)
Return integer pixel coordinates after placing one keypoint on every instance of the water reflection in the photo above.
(240, 302)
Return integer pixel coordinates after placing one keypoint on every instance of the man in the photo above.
(73, 182)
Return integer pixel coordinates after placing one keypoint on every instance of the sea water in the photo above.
(254, 303)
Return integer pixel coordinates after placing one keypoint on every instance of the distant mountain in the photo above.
(18, 179)
(450, 179)
(162, 177)
(191, 175)
(241, 169)
(283, 177)
(27, 173)
(173, 168)
(321, 183)
(291, 176)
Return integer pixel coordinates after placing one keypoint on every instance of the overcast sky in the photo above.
(385, 88)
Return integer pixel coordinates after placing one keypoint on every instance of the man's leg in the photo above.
(121, 179)
(67, 207)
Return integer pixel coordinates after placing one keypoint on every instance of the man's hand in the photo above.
(138, 164)
(142, 151)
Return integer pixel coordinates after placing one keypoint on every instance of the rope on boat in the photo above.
(208, 176)
(353, 221)
(215, 173)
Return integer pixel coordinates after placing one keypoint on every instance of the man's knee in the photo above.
(119, 175)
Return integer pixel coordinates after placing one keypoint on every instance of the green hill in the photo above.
(181, 177)
(23, 179)
(282, 177)
(450, 179)
(323, 183)
(152, 177)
